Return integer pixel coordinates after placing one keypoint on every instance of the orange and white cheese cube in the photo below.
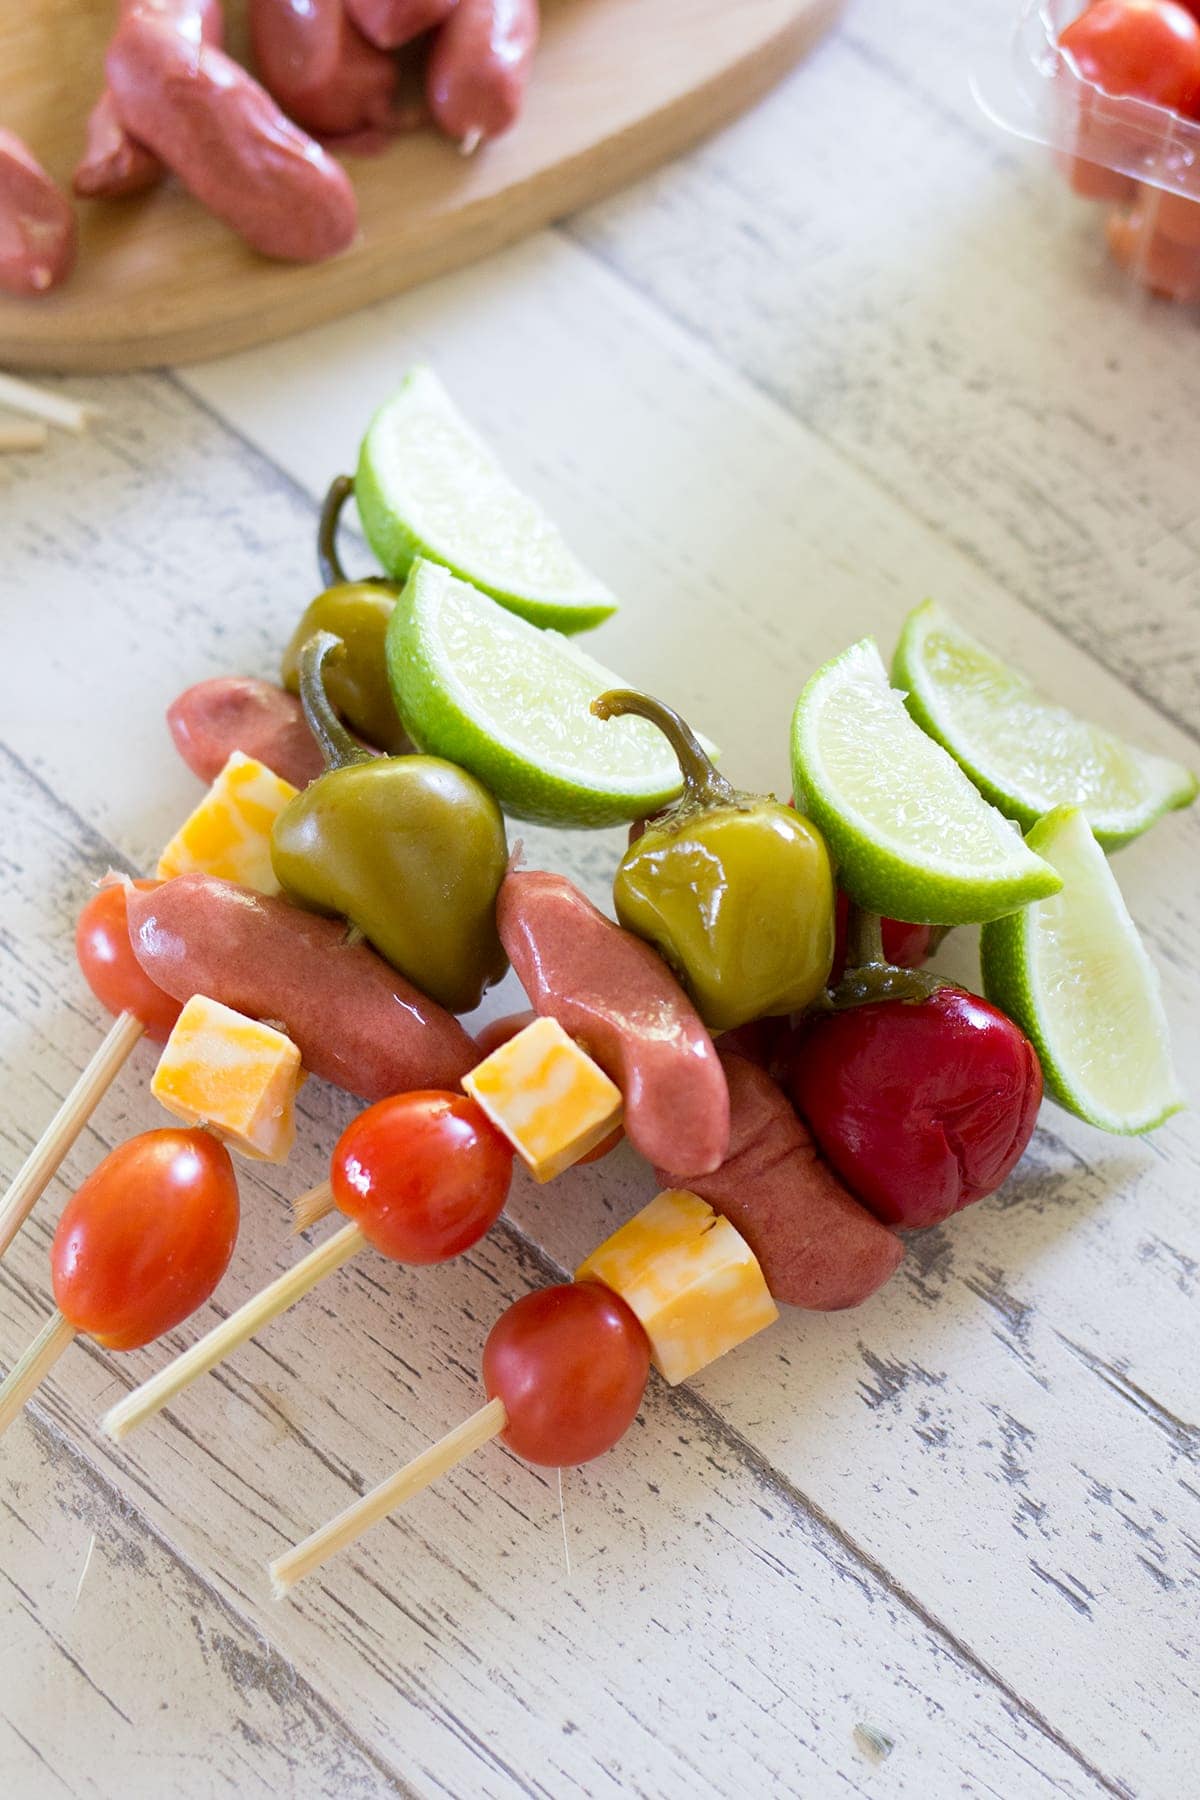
(229, 834)
(690, 1277)
(221, 1069)
(547, 1096)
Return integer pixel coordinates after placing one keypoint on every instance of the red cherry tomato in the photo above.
(147, 1237)
(570, 1364)
(1159, 262)
(422, 1175)
(1143, 49)
(921, 1107)
(110, 968)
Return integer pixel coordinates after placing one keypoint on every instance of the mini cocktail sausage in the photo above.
(324, 73)
(355, 1021)
(211, 720)
(479, 67)
(390, 23)
(113, 163)
(228, 142)
(818, 1248)
(614, 995)
(37, 226)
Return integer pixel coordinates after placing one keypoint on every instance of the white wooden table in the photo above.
(854, 352)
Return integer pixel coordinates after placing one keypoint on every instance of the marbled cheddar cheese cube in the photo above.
(690, 1277)
(240, 1078)
(229, 834)
(547, 1096)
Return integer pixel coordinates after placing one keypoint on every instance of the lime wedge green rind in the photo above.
(1025, 754)
(511, 703)
(428, 487)
(1073, 972)
(912, 836)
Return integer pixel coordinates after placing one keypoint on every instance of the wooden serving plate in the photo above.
(620, 86)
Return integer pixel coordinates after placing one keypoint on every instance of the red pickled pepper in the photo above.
(921, 1106)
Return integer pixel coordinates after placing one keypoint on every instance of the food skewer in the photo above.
(139, 1247)
(39, 403)
(115, 977)
(421, 1178)
(18, 435)
(216, 837)
(565, 1369)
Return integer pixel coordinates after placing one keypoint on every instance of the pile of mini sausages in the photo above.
(256, 152)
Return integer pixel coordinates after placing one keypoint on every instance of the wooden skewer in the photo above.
(33, 1367)
(311, 1207)
(23, 434)
(55, 409)
(39, 1166)
(303, 1558)
(162, 1388)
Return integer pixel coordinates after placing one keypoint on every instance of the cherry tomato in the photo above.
(570, 1364)
(110, 968)
(422, 1175)
(147, 1237)
(1143, 49)
(1159, 262)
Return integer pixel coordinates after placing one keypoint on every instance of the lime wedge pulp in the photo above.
(913, 838)
(1027, 755)
(428, 486)
(511, 703)
(1075, 975)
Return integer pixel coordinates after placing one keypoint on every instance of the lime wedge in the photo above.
(510, 703)
(428, 486)
(1074, 973)
(1027, 755)
(913, 837)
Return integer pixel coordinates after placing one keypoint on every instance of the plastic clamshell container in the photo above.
(1141, 158)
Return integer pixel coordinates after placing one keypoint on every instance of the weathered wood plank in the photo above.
(919, 289)
(712, 1635)
(111, 1642)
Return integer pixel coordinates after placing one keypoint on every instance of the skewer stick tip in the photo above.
(27, 1375)
(286, 1570)
(308, 1208)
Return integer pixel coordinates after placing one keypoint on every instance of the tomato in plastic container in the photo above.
(1112, 87)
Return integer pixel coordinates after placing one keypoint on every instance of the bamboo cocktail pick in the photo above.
(303, 1558)
(39, 1167)
(226, 1337)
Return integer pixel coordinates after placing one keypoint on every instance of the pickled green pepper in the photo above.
(734, 890)
(357, 684)
(410, 849)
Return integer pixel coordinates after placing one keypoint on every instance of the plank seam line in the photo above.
(778, 403)
(774, 1480)
(58, 1440)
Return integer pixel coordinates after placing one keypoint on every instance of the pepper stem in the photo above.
(337, 746)
(328, 561)
(703, 784)
(869, 976)
(864, 938)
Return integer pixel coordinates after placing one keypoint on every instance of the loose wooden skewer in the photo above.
(55, 409)
(39, 1166)
(303, 1558)
(33, 1367)
(310, 1208)
(162, 1388)
(23, 434)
